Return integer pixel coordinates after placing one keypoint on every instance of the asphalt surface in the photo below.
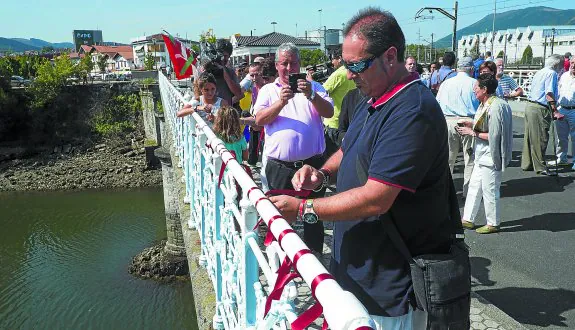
(528, 269)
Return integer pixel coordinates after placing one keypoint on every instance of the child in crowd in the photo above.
(227, 127)
(206, 102)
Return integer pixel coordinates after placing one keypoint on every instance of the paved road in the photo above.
(528, 269)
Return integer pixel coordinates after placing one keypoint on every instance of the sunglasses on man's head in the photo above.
(359, 66)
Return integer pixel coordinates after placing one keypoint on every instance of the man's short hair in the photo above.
(568, 55)
(449, 59)
(224, 45)
(554, 62)
(289, 47)
(410, 57)
(488, 53)
(255, 65)
(380, 29)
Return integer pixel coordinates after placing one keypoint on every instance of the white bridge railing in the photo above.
(234, 259)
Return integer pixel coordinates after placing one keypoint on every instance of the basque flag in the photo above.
(183, 59)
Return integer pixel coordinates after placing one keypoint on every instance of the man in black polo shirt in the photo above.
(393, 166)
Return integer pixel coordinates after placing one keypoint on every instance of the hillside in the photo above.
(21, 44)
(515, 18)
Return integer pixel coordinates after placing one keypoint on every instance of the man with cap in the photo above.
(259, 60)
(458, 103)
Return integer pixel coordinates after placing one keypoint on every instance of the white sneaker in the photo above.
(559, 163)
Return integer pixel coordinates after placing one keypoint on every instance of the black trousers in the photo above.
(332, 143)
(279, 175)
(254, 147)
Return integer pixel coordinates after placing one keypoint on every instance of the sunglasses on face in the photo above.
(359, 66)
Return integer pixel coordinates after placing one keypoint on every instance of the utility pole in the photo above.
(418, 42)
(552, 40)
(505, 51)
(545, 49)
(454, 36)
(451, 16)
(431, 52)
(493, 27)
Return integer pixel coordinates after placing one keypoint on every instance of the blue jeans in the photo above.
(413, 320)
(565, 128)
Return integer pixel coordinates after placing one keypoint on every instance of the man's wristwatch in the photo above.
(312, 95)
(326, 178)
(309, 214)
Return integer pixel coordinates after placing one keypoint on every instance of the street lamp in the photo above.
(320, 11)
(274, 25)
(155, 55)
(451, 16)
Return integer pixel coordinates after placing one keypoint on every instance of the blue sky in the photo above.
(121, 20)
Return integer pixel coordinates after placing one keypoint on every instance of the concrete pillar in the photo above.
(148, 111)
(175, 244)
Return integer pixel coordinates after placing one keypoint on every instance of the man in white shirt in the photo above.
(566, 102)
(458, 102)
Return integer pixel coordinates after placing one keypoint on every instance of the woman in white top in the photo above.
(206, 102)
(492, 129)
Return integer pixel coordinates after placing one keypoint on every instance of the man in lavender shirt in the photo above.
(293, 129)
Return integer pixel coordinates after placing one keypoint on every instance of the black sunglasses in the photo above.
(359, 66)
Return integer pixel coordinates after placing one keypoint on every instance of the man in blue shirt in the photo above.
(445, 72)
(538, 115)
(393, 166)
(458, 103)
(476, 64)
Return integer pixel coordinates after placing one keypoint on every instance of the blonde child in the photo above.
(227, 127)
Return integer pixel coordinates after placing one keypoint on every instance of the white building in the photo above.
(249, 47)
(154, 44)
(513, 42)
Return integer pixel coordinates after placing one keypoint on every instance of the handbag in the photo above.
(441, 282)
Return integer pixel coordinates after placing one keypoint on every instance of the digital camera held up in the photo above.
(212, 54)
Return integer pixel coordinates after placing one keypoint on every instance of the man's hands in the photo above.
(557, 115)
(288, 206)
(305, 87)
(285, 95)
(307, 178)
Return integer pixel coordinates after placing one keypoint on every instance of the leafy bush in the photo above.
(311, 57)
(118, 116)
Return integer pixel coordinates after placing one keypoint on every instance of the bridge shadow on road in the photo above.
(553, 222)
(534, 185)
(533, 306)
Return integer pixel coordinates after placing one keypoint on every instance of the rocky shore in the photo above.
(75, 167)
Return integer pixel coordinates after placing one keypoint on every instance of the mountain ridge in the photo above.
(538, 16)
(23, 44)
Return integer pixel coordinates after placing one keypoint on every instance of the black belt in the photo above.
(541, 104)
(294, 164)
(567, 107)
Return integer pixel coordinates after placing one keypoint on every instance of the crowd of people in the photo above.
(389, 141)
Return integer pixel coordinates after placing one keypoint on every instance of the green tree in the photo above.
(311, 57)
(50, 80)
(527, 57)
(46, 49)
(149, 62)
(84, 67)
(102, 63)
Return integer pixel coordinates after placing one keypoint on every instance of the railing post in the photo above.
(217, 206)
(249, 262)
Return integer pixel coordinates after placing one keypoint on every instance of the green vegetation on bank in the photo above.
(51, 110)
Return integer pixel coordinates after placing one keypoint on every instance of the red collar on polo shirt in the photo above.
(413, 77)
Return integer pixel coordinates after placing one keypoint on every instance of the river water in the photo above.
(64, 258)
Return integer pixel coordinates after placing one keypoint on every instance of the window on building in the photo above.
(530, 35)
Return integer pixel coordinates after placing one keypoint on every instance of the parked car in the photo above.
(17, 81)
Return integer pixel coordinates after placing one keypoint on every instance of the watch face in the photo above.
(310, 218)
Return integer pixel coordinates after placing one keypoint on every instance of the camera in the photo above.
(210, 56)
(320, 72)
(293, 78)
